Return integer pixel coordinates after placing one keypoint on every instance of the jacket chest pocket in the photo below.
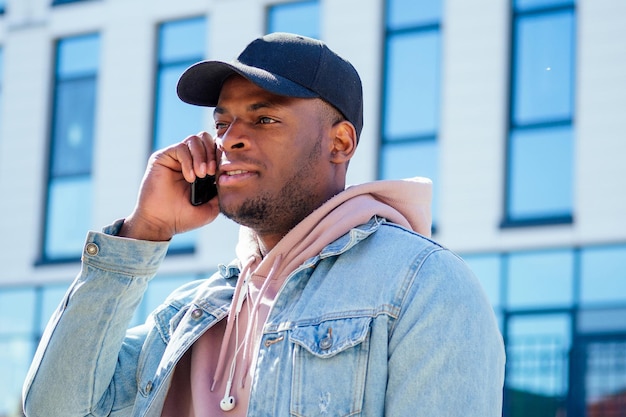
(329, 367)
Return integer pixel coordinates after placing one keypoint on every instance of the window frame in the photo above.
(61, 2)
(46, 254)
(161, 66)
(426, 26)
(508, 219)
(586, 320)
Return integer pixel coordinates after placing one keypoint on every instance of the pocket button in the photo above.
(326, 342)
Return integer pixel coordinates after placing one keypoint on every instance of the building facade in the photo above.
(515, 109)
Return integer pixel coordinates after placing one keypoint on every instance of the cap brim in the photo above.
(201, 83)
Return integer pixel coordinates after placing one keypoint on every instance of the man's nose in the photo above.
(235, 137)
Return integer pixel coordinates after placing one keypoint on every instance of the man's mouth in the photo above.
(235, 177)
(236, 172)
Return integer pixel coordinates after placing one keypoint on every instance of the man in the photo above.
(337, 303)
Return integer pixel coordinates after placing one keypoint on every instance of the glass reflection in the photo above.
(297, 17)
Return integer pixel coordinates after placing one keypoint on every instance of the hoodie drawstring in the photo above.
(241, 293)
(239, 296)
(255, 317)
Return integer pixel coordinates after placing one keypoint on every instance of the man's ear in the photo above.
(343, 143)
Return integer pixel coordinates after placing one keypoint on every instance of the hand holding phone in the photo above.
(203, 190)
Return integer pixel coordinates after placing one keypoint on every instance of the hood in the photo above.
(405, 202)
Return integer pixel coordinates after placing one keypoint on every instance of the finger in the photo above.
(209, 145)
(182, 154)
(198, 153)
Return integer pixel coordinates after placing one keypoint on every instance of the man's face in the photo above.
(273, 164)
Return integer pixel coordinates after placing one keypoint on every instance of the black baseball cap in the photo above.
(284, 64)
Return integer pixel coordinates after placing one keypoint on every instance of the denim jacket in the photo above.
(410, 333)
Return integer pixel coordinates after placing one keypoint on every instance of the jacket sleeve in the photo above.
(86, 361)
(446, 354)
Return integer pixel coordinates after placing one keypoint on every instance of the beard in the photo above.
(279, 212)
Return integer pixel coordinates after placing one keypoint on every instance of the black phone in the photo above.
(202, 190)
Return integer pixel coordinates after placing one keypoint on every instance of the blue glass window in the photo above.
(15, 358)
(603, 318)
(73, 130)
(540, 170)
(487, 269)
(412, 87)
(17, 318)
(553, 304)
(14, 318)
(408, 13)
(68, 212)
(301, 17)
(603, 276)
(411, 97)
(543, 90)
(537, 364)
(68, 216)
(181, 44)
(541, 279)
(409, 159)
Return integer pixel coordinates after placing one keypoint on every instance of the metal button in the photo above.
(92, 249)
(149, 387)
(196, 313)
(327, 341)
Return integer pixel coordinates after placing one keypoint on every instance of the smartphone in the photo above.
(202, 190)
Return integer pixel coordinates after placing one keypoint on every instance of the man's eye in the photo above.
(266, 120)
(220, 125)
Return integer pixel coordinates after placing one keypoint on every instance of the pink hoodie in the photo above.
(204, 379)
